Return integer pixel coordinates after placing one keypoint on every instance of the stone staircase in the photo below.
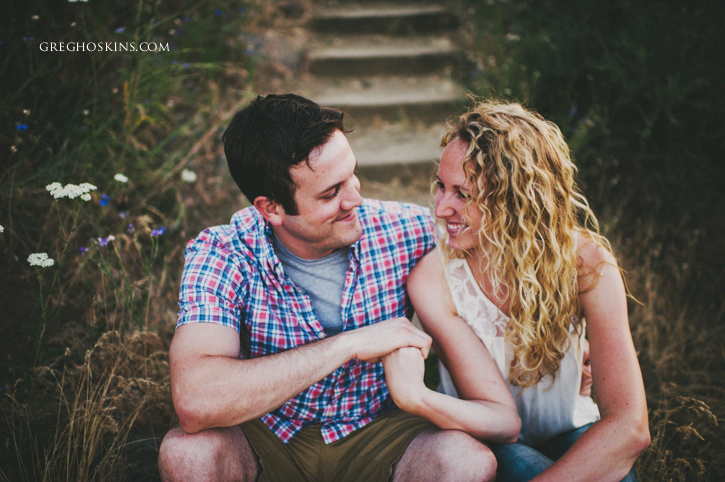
(392, 67)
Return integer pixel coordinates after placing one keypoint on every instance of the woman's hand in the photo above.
(404, 370)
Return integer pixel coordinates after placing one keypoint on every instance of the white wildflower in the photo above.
(54, 187)
(1, 228)
(40, 259)
(71, 191)
(188, 176)
(120, 178)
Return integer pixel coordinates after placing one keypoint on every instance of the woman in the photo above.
(521, 267)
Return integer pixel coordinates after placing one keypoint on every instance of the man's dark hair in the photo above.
(269, 137)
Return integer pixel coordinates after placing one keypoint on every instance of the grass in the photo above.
(84, 371)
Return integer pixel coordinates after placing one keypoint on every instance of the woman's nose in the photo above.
(444, 207)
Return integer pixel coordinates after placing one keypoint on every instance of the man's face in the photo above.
(326, 198)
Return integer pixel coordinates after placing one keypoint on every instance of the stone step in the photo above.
(395, 19)
(397, 144)
(376, 54)
(429, 98)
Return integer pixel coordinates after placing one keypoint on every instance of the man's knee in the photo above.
(446, 455)
(465, 457)
(215, 454)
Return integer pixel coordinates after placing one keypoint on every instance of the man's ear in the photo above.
(270, 210)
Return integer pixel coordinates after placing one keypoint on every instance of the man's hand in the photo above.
(374, 341)
(586, 386)
(404, 370)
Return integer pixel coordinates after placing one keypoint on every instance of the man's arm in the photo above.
(212, 387)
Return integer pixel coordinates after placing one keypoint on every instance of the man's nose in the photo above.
(352, 195)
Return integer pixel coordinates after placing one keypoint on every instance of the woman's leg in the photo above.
(519, 462)
(557, 446)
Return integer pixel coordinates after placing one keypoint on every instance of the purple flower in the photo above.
(105, 199)
(158, 232)
(85, 250)
(21, 127)
(120, 29)
(130, 228)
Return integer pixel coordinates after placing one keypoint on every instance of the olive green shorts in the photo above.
(367, 454)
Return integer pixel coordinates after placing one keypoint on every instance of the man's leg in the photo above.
(445, 455)
(210, 455)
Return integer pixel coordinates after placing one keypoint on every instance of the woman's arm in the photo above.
(608, 449)
(486, 408)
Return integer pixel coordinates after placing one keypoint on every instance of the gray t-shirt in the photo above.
(322, 279)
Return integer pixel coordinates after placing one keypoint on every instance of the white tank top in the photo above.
(545, 409)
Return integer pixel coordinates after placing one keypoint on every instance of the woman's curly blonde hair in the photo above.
(522, 181)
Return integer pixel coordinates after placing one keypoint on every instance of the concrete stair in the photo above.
(392, 67)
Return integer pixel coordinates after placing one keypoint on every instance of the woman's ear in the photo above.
(270, 210)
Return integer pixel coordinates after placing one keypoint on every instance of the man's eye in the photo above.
(332, 194)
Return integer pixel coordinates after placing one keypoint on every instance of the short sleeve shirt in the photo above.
(233, 277)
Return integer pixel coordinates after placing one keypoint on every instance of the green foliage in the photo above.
(633, 85)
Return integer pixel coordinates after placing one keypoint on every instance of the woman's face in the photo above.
(453, 192)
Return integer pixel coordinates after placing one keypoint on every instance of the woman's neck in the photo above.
(479, 263)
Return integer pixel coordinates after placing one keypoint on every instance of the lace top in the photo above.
(546, 409)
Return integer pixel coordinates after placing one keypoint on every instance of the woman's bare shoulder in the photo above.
(591, 255)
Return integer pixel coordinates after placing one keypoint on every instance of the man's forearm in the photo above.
(221, 391)
(211, 387)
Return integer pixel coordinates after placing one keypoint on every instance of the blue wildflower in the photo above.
(105, 199)
(120, 29)
(122, 214)
(83, 250)
(217, 12)
(105, 241)
(158, 232)
(186, 65)
(130, 228)
(28, 40)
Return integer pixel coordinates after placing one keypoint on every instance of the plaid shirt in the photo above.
(232, 277)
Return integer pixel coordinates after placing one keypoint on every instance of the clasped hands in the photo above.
(404, 371)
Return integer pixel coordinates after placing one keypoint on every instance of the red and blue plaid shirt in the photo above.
(233, 277)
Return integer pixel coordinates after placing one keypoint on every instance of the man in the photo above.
(285, 313)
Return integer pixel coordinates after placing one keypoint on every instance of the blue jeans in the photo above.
(519, 462)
